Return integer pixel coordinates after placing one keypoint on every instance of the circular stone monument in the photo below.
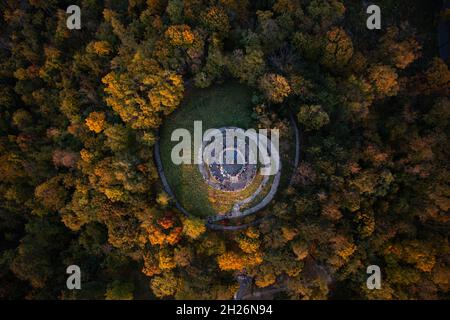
(231, 170)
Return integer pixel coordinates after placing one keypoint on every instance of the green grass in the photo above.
(225, 105)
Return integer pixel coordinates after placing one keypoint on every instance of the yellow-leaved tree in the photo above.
(143, 92)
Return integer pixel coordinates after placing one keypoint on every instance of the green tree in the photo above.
(119, 290)
(312, 117)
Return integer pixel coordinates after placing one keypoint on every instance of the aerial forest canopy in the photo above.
(81, 112)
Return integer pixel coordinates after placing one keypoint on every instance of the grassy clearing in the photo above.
(227, 105)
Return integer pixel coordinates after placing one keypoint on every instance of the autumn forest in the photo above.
(86, 114)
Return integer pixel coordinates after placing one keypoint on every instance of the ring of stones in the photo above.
(230, 164)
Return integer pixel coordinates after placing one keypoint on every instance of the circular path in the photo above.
(235, 212)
